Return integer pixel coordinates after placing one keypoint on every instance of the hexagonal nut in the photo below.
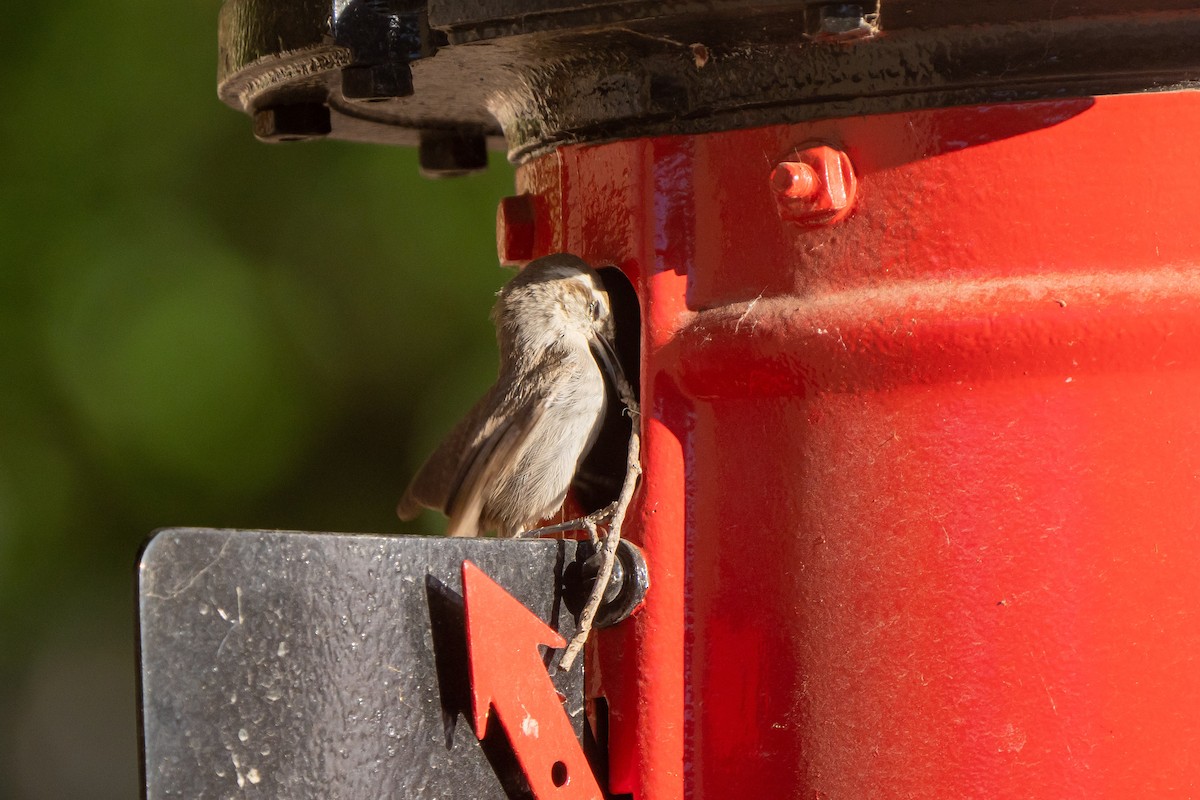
(450, 153)
(377, 82)
(814, 185)
(294, 122)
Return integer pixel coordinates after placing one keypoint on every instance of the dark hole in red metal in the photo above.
(598, 481)
(558, 774)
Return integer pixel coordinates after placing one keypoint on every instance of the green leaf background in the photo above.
(195, 329)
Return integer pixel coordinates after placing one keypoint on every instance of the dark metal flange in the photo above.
(535, 74)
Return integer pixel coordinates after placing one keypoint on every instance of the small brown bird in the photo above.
(509, 462)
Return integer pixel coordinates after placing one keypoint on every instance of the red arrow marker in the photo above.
(507, 674)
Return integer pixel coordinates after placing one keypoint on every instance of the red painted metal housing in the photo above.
(922, 490)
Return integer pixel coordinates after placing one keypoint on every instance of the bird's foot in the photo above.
(593, 533)
(587, 523)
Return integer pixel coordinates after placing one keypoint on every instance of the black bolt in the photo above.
(377, 82)
(616, 579)
(292, 123)
(626, 587)
(446, 154)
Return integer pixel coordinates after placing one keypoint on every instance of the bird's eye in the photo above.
(594, 309)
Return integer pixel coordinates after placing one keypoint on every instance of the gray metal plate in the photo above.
(319, 665)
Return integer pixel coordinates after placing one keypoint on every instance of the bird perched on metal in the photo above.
(509, 462)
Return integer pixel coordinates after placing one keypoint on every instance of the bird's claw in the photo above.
(587, 523)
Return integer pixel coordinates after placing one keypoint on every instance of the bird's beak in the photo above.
(607, 356)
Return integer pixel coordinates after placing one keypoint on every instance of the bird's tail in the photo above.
(409, 507)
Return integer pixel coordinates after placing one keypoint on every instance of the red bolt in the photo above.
(814, 185)
(516, 229)
(794, 179)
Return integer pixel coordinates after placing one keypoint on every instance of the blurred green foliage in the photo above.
(198, 329)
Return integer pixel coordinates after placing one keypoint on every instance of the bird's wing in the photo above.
(484, 467)
(455, 478)
(431, 486)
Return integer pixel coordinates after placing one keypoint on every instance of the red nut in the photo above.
(794, 179)
(814, 185)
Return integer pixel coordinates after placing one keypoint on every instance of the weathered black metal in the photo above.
(317, 665)
(539, 74)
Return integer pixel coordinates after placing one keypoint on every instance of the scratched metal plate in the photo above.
(320, 665)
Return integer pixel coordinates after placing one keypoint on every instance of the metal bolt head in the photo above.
(794, 180)
(292, 123)
(814, 185)
(448, 154)
(842, 21)
(377, 82)
(626, 589)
